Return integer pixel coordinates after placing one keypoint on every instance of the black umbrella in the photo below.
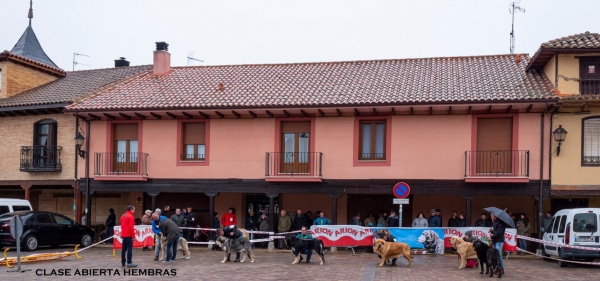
(501, 214)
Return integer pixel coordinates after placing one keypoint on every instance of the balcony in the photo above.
(40, 158)
(497, 166)
(293, 166)
(589, 87)
(120, 166)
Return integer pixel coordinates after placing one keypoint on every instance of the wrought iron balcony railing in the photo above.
(117, 163)
(589, 87)
(497, 163)
(289, 164)
(40, 158)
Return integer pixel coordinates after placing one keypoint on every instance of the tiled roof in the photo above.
(28, 46)
(583, 42)
(427, 80)
(577, 41)
(75, 84)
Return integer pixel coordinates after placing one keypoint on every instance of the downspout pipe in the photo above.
(541, 187)
(88, 199)
(77, 195)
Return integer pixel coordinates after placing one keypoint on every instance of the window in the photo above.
(589, 76)
(591, 142)
(585, 222)
(194, 141)
(561, 228)
(62, 220)
(556, 224)
(4, 210)
(21, 208)
(44, 153)
(125, 148)
(43, 218)
(551, 225)
(372, 140)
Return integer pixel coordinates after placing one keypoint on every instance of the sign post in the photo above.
(401, 191)
(16, 230)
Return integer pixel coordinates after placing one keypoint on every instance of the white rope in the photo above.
(557, 244)
(571, 261)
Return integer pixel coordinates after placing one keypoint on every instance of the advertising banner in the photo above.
(430, 240)
(343, 235)
(144, 237)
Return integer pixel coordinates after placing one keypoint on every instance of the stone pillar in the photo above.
(211, 213)
(27, 189)
(468, 214)
(77, 196)
(272, 216)
(153, 195)
(334, 198)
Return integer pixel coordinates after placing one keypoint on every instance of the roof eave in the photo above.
(543, 50)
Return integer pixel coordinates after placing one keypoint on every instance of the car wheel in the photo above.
(560, 262)
(31, 243)
(86, 240)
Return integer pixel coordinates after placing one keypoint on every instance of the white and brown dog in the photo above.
(182, 245)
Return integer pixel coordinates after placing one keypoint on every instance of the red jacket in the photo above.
(228, 219)
(127, 225)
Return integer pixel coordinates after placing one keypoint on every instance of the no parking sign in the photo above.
(401, 190)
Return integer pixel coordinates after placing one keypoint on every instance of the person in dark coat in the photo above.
(111, 221)
(453, 221)
(298, 220)
(189, 222)
(434, 219)
(216, 225)
(170, 230)
(251, 223)
(482, 222)
(392, 220)
(165, 211)
(309, 219)
(497, 236)
(462, 222)
(232, 232)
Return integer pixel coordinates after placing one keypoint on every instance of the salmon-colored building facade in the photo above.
(463, 132)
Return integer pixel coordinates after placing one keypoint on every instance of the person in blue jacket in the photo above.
(304, 234)
(321, 219)
(156, 218)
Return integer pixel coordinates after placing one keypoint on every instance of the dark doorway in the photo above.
(258, 202)
(568, 203)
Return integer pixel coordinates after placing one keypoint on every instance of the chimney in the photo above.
(162, 59)
(121, 62)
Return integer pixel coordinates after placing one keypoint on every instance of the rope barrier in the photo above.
(550, 258)
(557, 244)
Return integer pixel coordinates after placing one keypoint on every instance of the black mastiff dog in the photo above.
(489, 256)
(299, 245)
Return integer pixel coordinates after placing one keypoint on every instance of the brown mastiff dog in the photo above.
(465, 250)
(390, 250)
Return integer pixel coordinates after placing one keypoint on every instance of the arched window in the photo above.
(591, 142)
(44, 133)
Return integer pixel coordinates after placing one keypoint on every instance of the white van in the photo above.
(575, 227)
(13, 205)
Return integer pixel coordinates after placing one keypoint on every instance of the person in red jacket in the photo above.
(229, 218)
(127, 233)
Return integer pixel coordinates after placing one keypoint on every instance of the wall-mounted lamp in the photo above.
(78, 143)
(560, 135)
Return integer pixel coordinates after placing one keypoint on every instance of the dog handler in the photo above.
(233, 233)
(304, 235)
(497, 236)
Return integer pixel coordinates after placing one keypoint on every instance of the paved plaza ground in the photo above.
(205, 265)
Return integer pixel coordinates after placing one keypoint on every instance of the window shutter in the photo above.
(125, 131)
(295, 127)
(194, 133)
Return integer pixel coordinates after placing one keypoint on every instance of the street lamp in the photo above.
(560, 134)
(78, 143)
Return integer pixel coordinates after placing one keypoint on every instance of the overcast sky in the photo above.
(279, 31)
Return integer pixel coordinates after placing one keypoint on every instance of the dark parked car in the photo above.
(45, 229)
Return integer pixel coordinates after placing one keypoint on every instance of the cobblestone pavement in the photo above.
(205, 265)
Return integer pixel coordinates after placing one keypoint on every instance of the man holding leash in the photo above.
(156, 218)
(127, 233)
(233, 233)
(304, 234)
(172, 232)
(497, 235)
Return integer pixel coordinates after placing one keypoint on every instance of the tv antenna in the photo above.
(75, 55)
(190, 57)
(513, 8)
